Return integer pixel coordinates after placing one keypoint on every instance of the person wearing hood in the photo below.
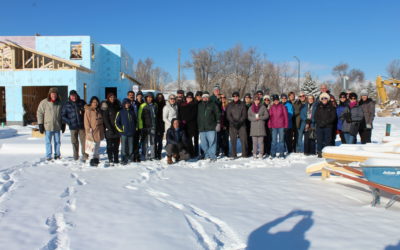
(50, 122)
(208, 121)
(248, 102)
(187, 115)
(325, 118)
(278, 121)
(268, 131)
(176, 143)
(125, 123)
(257, 115)
(160, 128)
(110, 107)
(352, 117)
(290, 142)
(307, 115)
(298, 105)
(368, 108)
(72, 114)
(147, 118)
(94, 129)
(236, 115)
(223, 134)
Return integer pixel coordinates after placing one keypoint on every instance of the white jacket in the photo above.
(169, 112)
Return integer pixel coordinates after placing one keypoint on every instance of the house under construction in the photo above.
(30, 65)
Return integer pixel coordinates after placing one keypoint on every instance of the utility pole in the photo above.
(179, 68)
(298, 71)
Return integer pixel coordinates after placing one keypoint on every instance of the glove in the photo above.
(218, 127)
(63, 128)
(41, 128)
(369, 126)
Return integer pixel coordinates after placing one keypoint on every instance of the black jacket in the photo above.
(176, 137)
(187, 114)
(72, 114)
(325, 115)
(236, 114)
(110, 111)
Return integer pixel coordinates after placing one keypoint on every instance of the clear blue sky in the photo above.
(363, 33)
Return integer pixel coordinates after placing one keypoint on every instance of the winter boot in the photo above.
(169, 160)
(177, 157)
(92, 163)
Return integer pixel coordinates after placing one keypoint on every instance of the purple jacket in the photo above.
(278, 116)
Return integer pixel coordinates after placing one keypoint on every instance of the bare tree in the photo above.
(152, 78)
(393, 70)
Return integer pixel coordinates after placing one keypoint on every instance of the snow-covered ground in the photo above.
(230, 204)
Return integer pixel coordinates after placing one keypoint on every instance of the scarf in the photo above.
(255, 108)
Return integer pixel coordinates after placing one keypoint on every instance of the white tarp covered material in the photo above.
(229, 204)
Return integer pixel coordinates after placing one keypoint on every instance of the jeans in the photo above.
(309, 144)
(57, 143)
(350, 139)
(324, 137)
(148, 144)
(299, 145)
(208, 142)
(126, 147)
(278, 138)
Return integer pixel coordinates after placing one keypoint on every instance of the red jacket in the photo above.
(278, 116)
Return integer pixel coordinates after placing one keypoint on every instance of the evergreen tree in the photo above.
(309, 86)
(371, 88)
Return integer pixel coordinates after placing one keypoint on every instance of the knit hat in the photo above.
(275, 97)
(149, 94)
(139, 93)
(53, 90)
(324, 95)
(73, 92)
(180, 91)
(364, 92)
(352, 95)
(259, 92)
(216, 87)
(236, 93)
(199, 93)
(205, 94)
(189, 94)
(283, 96)
(247, 95)
(267, 97)
(125, 101)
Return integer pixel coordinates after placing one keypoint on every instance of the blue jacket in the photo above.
(290, 110)
(72, 114)
(176, 136)
(339, 111)
(125, 122)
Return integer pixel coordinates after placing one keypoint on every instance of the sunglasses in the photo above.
(302, 96)
(353, 98)
(238, 96)
(324, 98)
(223, 97)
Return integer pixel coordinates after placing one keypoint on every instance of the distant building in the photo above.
(30, 65)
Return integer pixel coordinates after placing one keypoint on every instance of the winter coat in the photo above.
(94, 128)
(290, 111)
(325, 115)
(160, 122)
(223, 119)
(169, 112)
(339, 110)
(176, 136)
(49, 114)
(236, 114)
(304, 118)
(72, 114)
(278, 116)
(148, 116)
(258, 126)
(208, 115)
(351, 117)
(297, 105)
(368, 108)
(187, 114)
(110, 111)
(125, 122)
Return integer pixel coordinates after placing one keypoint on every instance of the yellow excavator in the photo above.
(388, 107)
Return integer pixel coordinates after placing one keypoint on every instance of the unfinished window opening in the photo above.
(76, 51)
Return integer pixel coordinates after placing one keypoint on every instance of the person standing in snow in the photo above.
(289, 131)
(72, 114)
(125, 123)
(208, 122)
(110, 108)
(148, 124)
(307, 114)
(160, 128)
(236, 115)
(223, 135)
(325, 118)
(248, 102)
(94, 128)
(278, 121)
(257, 115)
(176, 143)
(136, 138)
(50, 122)
(170, 111)
(368, 107)
(298, 105)
(343, 102)
(187, 115)
(268, 131)
(352, 117)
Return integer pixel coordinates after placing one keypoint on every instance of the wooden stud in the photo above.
(23, 59)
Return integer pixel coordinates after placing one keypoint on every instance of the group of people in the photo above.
(200, 125)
